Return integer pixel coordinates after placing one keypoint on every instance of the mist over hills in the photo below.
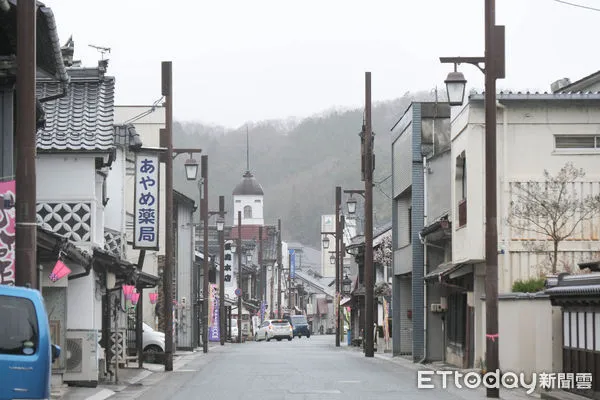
(298, 162)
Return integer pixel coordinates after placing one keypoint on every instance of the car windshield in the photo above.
(147, 327)
(299, 319)
(19, 328)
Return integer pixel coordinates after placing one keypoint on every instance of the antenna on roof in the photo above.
(101, 49)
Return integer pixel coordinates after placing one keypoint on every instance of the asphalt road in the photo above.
(301, 369)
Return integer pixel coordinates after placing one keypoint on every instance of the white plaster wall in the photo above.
(468, 241)
(65, 177)
(256, 202)
(114, 211)
(82, 310)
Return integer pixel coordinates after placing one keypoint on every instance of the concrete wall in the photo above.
(185, 328)
(530, 334)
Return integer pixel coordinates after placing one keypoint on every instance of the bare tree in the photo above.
(550, 208)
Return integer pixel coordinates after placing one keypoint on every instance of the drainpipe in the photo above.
(63, 93)
(424, 260)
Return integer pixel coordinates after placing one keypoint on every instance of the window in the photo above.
(460, 190)
(247, 212)
(19, 328)
(577, 142)
(566, 331)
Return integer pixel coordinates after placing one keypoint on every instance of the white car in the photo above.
(234, 330)
(153, 341)
(274, 329)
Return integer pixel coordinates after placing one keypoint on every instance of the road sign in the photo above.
(238, 292)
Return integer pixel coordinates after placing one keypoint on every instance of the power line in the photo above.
(577, 5)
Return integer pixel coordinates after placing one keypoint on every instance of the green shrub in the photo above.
(532, 285)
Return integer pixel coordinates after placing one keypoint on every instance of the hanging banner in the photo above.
(7, 233)
(292, 264)
(214, 332)
(228, 264)
(262, 311)
(146, 201)
(386, 323)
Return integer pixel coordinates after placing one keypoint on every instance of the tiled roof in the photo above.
(510, 95)
(127, 136)
(83, 119)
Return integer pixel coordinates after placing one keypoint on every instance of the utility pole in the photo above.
(167, 84)
(260, 267)
(279, 267)
(290, 306)
(341, 274)
(494, 68)
(204, 210)
(25, 264)
(338, 234)
(239, 279)
(368, 177)
(222, 271)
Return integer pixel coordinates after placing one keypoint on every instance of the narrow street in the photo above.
(301, 369)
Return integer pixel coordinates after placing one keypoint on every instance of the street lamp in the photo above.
(325, 242)
(351, 203)
(455, 87)
(248, 258)
(220, 224)
(191, 169)
(332, 259)
(494, 63)
(347, 285)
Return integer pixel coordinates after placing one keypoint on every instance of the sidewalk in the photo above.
(466, 394)
(126, 376)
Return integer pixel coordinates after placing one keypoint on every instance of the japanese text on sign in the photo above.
(146, 207)
(228, 264)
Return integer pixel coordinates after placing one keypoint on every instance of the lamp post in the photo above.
(368, 167)
(493, 69)
(220, 229)
(239, 277)
(166, 141)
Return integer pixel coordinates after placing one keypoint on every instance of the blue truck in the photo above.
(26, 351)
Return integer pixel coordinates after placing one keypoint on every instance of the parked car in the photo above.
(26, 352)
(153, 342)
(300, 325)
(274, 329)
(234, 330)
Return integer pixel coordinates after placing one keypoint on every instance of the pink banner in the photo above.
(7, 235)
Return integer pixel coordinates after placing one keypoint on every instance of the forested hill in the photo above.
(297, 162)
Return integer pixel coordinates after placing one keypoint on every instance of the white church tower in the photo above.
(248, 197)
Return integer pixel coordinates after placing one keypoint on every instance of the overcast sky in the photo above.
(247, 60)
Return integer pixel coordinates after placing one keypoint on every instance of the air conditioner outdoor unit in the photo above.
(81, 358)
(436, 308)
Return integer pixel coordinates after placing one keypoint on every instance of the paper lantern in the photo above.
(134, 298)
(153, 297)
(59, 271)
(128, 291)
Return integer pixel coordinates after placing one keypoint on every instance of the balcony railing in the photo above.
(462, 212)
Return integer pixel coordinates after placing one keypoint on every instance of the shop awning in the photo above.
(442, 269)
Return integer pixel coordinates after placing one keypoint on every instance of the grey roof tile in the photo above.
(83, 119)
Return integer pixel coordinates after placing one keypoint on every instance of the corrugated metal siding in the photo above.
(401, 162)
(184, 277)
